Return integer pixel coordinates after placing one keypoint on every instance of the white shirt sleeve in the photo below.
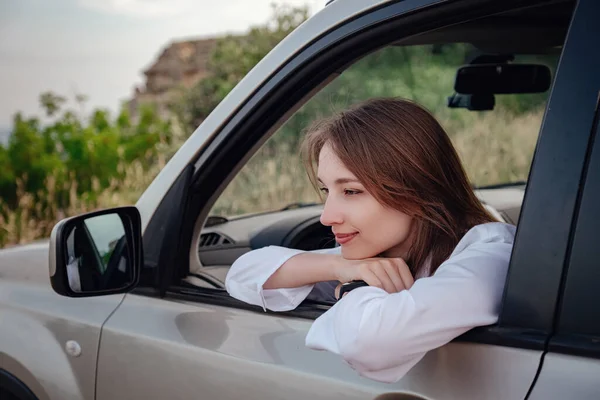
(382, 335)
(249, 273)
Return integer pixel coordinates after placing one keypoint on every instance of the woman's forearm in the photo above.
(304, 269)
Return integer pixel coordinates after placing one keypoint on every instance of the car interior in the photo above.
(541, 30)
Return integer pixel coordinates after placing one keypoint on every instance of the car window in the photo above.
(496, 146)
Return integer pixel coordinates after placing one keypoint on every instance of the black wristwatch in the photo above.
(349, 286)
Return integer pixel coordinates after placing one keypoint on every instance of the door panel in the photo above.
(568, 377)
(157, 348)
(47, 341)
(571, 368)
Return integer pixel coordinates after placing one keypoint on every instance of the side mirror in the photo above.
(96, 254)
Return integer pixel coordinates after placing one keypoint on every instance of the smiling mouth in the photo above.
(345, 238)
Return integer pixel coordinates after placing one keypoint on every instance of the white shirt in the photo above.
(381, 335)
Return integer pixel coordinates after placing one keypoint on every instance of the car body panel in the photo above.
(36, 324)
(177, 348)
(582, 382)
(26, 263)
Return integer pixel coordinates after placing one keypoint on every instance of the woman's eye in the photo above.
(324, 190)
(350, 192)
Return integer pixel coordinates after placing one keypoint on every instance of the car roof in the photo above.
(538, 29)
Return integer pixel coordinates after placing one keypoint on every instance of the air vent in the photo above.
(213, 239)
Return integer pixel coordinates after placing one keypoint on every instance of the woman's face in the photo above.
(363, 227)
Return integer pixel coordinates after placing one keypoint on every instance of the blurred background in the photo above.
(97, 95)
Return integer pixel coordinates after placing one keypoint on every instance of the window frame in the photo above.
(251, 125)
(557, 173)
(576, 332)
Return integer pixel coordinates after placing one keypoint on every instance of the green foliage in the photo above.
(30, 154)
(51, 103)
(69, 149)
(7, 175)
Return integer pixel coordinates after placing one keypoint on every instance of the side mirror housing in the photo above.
(97, 253)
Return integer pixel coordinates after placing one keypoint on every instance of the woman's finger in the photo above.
(404, 272)
(369, 276)
(392, 271)
(379, 271)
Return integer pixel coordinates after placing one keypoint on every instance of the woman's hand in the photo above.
(389, 274)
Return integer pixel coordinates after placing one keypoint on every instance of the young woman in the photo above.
(408, 224)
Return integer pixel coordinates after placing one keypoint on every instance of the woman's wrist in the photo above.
(340, 268)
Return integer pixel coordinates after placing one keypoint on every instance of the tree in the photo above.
(51, 103)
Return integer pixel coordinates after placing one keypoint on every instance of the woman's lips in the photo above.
(345, 237)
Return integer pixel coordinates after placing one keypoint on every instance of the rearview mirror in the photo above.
(96, 254)
(502, 79)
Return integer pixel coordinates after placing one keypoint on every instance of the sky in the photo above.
(99, 48)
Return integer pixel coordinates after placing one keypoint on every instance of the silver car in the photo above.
(135, 306)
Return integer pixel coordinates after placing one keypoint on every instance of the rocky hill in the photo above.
(180, 65)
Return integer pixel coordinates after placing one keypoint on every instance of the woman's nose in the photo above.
(331, 214)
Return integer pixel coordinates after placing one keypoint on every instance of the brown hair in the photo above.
(405, 159)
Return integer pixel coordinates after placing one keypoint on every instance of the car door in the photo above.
(177, 344)
(571, 366)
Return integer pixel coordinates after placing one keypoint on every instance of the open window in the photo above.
(267, 199)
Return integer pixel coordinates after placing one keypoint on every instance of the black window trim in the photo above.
(577, 331)
(545, 227)
(235, 138)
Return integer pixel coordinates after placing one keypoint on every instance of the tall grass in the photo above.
(498, 147)
(34, 219)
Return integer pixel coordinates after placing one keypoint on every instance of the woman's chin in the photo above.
(356, 254)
